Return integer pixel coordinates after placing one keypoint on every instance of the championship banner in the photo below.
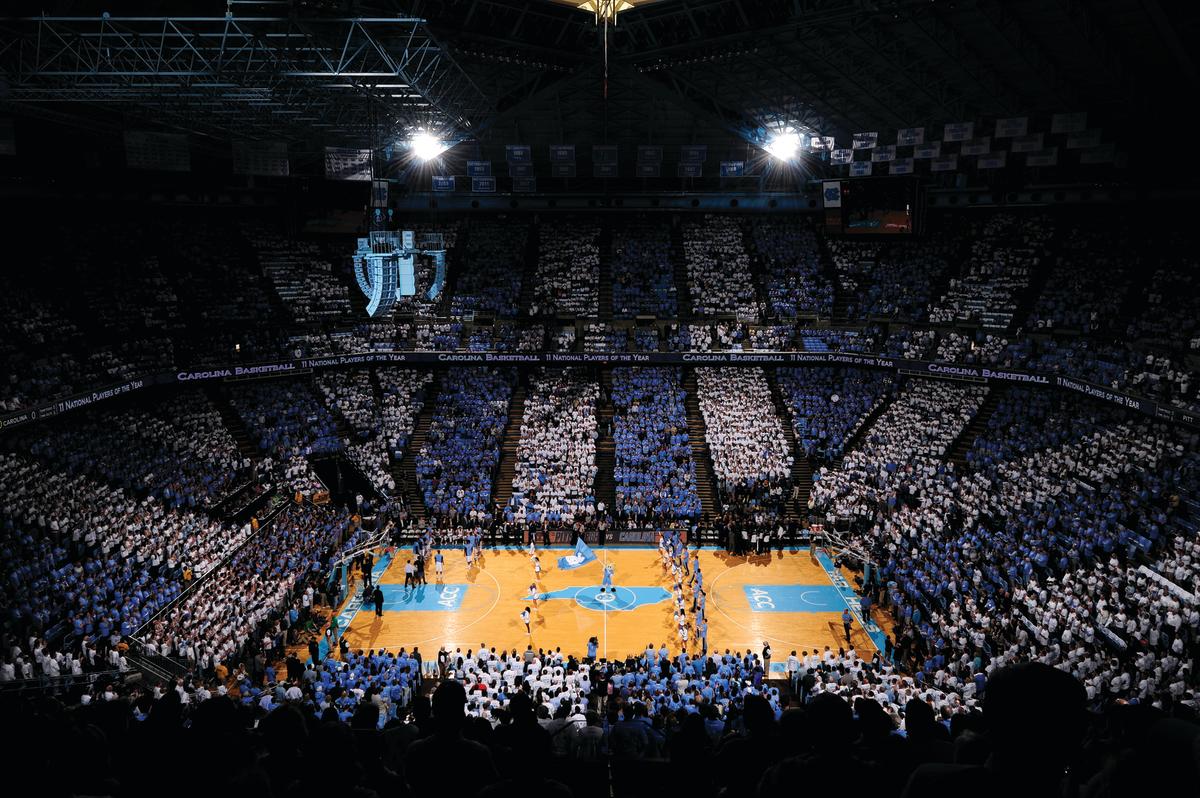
(902, 166)
(605, 170)
(993, 160)
(684, 169)
(160, 152)
(693, 153)
(864, 141)
(958, 131)
(520, 170)
(883, 153)
(943, 163)
(562, 169)
(733, 168)
(649, 153)
(1105, 153)
(263, 158)
(831, 193)
(582, 556)
(1029, 143)
(604, 154)
(443, 183)
(483, 185)
(910, 136)
(524, 185)
(1012, 127)
(931, 149)
(648, 170)
(860, 169)
(1069, 123)
(479, 168)
(976, 147)
(1042, 157)
(1084, 140)
(841, 156)
(562, 153)
(518, 153)
(822, 143)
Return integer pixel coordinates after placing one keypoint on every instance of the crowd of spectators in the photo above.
(828, 405)
(790, 257)
(301, 277)
(718, 268)
(285, 418)
(568, 269)
(643, 279)
(490, 280)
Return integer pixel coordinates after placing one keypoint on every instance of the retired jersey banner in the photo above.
(684, 169)
(841, 156)
(483, 185)
(733, 168)
(831, 193)
(562, 169)
(443, 182)
(520, 170)
(980, 146)
(604, 153)
(649, 153)
(860, 168)
(943, 163)
(479, 168)
(604, 170)
(902, 166)
(1105, 153)
(930, 149)
(518, 153)
(958, 131)
(1042, 157)
(648, 170)
(693, 153)
(562, 153)
(910, 136)
(1028, 143)
(1084, 140)
(524, 185)
(865, 141)
(1069, 123)
(993, 160)
(884, 153)
(1012, 127)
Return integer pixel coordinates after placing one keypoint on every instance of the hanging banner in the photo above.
(884, 153)
(518, 153)
(1069, 123)
(693, 153)
(605, 170)
(958, 131)
(1083, 140)
(910, 136)
(943, 163)
(992, 160)
(648, 170)
(649, 153)
(841, 156)
(524, 185)
(864, 141)
(263, 158)
(831, 193)
(1029, 143)
(562, 169)
(347, 164)
(479, 168)
(684, 169)
(1012, 127)
(161, 152)
(443, 183)
(931, 149)
(520, 170)
(976, 147)
(483, 185)
(604, 153)
(1105, 153)
(562, 153)
(902, 166)
(1047, 157)
(823, 143)
(733, 168)
(860, 168)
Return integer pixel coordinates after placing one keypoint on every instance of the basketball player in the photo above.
(438, 564)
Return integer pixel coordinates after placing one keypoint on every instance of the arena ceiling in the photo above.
(533, 71)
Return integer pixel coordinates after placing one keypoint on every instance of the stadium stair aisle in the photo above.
(758, 276)
(957, 453)
(529, 276)
(706, 485)
(502, 485)
(231, 420)
(606, 450)
(791, 511)
(683, 292)
(405, 471)
(606, 277)
(864, 425)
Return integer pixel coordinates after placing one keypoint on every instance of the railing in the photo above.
(60, 683)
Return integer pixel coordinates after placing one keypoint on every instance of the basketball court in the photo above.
(785, 597)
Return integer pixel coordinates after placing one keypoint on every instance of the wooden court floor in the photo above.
(783, 597)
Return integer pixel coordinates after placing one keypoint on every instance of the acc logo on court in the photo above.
(760, 599)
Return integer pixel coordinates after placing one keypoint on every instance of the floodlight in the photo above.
(425, 146)
(784, 146)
